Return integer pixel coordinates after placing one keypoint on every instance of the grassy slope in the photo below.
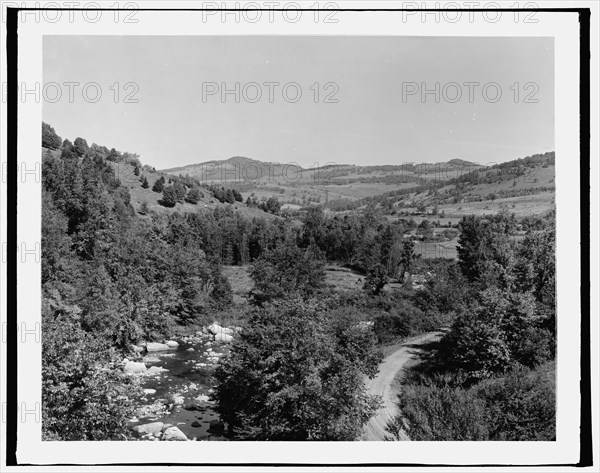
(124, 172)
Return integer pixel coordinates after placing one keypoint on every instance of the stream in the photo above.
(179, 395)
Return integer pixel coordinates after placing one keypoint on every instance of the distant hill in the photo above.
(343, 187)
(461, 162)
(454, 187)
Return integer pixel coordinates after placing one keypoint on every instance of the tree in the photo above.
(485, 249)
(81, 398)
(144, 208)
(295, 375)
(158, 185)
(80, 147)
(50, 139)
(376, 279)
(285, 271)
(406, 258)
(169, 198)
(535, 271)
(180, 191)
(475, 347)
(145, 184)
(68, 151)
(272, 205)
(136, 170)
(193, 196)
(221, 293)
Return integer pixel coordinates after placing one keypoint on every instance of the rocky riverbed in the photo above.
(176, 377)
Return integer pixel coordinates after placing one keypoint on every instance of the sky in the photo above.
(360, 102)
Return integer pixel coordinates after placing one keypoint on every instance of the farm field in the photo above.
(521, 206)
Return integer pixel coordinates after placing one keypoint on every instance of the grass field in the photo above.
(521, 206)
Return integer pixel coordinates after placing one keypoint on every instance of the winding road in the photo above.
(381, 385)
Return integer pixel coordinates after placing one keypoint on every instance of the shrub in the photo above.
(522, 405)
(442, 413)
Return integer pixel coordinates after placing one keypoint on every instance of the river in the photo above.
(179, 395)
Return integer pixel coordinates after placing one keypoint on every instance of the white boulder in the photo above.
(153, 346)
(173, 433)
(223, 337)
(215, 329)
(156, 370)
(132, 367)
(172, 344)
(154, 428)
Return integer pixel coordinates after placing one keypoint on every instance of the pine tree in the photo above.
(169, 198)
(145, 184)
(159, 185)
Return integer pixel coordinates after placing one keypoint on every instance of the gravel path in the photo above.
(381, 385)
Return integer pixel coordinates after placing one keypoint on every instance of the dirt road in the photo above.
(381, 385)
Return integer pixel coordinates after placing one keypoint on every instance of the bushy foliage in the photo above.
(519, 406)
(501, 329)
(223, 195)
(180, 191)
(376, 279)
(83, 398)
(169, 197)
(80, 147)
(193, 196)
(159, 185)
(522, 405)
(50, 139)
(286, 271)
(294, 376)
(497, 355)
(445, 291)
(485, 248)
(440, 412)
(109, 280)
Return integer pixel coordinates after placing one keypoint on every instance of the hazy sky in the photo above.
(172, 124)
